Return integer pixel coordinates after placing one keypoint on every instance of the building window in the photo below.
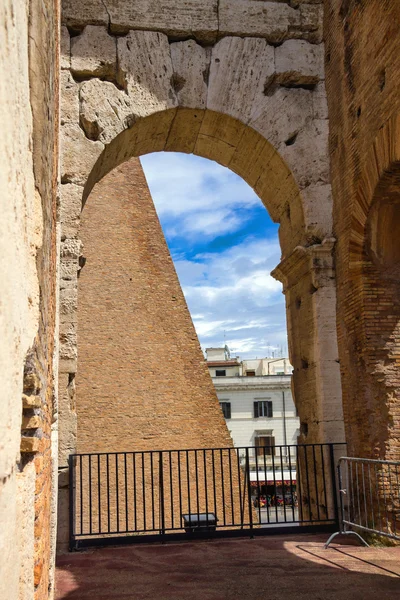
(250, 373)
(226, 409)
(220, 373)
(262, 408)
(265, 445)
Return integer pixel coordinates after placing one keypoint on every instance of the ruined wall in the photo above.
(362, 68)
(241, 83)
(142, 377)
(28, 179)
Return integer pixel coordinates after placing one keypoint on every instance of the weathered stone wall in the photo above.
(247, 90)
(28, 179)
(142, 379)
(363, 66)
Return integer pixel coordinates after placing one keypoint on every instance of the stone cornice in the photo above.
(317, 259)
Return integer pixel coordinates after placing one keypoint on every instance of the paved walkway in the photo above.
(269, 568)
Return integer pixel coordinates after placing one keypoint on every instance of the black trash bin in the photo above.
(196, 522)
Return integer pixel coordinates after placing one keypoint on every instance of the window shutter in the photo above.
(228, 410)
(269, 409)
(255, 410)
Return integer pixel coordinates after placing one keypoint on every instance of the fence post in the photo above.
(249, 491)
(334, 486)
(71, 502)
(161, 485)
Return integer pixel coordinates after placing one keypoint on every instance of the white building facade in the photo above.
(256, 399)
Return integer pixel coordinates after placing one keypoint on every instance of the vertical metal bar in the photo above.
(249, 490)
(291, 483)
(108, 492)
(258, 483)
(205, 484)
(358, 495)
(90, 493)
(299, 486)
(134, 489)
(117, 489)
(370, 496)
(241, 504)
(308, 485)
(126, 495)
(71, 495)
(161, 483)
(365, 495)
(214, 482)
(99, 490)
(333, 485)
(324, 480)
(266, 481)
(180, 487)
(231, 486)
(144, 494)
(81, 491)
(188, 485)
(316, 483)
(392, 502)
(171, 488)
(274, 476)
(152, 491)
(196, 466)
(385, 498)
(222, 485)
(283, 484)
(378, 497)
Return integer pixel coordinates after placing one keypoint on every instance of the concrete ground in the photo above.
(265, 568)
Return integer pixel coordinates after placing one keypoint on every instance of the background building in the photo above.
(256, 399)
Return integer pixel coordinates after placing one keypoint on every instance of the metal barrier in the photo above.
(127, 497)
(369, 497)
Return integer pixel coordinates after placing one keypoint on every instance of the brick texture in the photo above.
(142, 382)
(363, 66)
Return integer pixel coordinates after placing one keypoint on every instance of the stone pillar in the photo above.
(308, 279)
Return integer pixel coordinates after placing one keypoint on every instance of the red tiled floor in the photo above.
(269, 568)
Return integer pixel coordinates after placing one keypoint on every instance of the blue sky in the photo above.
(224, 246)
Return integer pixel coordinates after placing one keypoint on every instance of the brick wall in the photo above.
(142, 382)
(363, 67)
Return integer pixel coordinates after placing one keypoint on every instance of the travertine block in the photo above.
(319, 101)
(299, 62)
(105, 110)
(29, 445)
(274, 21)
(239, 64)
(317, 202)
(93, 53)
(78, 154)
(31, 401)
(190, 63)
(176, 18)
(33, 422)
(280, 117)
(308, 157)
(147, 82)
(77, 13)
(71, 207)
(69, 106)
(65, 48)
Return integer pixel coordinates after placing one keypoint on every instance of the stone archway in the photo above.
(373, 317)
(255, 108)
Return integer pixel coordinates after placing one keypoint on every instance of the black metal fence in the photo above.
(369, 497)
(128, 497)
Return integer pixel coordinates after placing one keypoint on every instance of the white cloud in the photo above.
(202, 194)
(231, 294)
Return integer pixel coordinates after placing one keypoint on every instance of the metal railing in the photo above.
(129, 496)
(369, 498)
